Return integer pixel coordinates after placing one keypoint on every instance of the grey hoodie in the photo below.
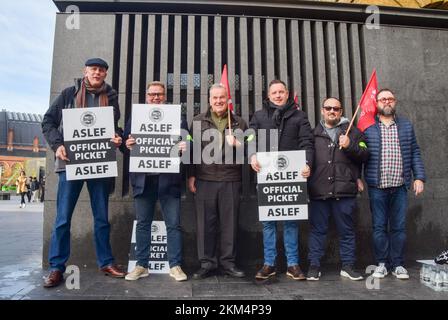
(334, 132)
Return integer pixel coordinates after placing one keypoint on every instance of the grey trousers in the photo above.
(217, 205)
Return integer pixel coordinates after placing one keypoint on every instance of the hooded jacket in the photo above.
(336, 170)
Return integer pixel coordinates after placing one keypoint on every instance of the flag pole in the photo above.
(351, 123)
(353, 120)
(228, 118)
(359, 105)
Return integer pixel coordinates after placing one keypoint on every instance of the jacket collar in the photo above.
(207, 116)
(288, 113)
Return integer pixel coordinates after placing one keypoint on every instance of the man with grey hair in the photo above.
(217, 186)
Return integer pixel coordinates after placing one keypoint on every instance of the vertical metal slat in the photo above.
(294, 49)
(282, 59)
(204, 64)
(190, 68)
(151, 48)
(257, 66)
(164, 49)
(269, 47)
(308, 78)
(177, 58)
(217, 50)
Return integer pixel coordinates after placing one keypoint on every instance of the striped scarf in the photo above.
(85, 86)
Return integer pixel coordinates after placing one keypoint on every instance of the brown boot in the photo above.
(295, 273)
(265, 272)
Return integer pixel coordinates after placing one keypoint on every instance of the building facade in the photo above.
(319, 49)
(22, 146)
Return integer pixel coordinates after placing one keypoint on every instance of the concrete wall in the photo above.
(338, 59)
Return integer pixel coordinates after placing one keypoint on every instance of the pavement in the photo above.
(21, 276)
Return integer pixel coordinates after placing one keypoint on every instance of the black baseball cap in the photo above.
(97, 62)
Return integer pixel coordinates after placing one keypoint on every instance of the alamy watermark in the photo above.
(373, 21)
(73, 21)
(72, 281)
(371, 282)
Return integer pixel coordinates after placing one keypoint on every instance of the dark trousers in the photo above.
(22, 200)
(342, 211)
(217, 205)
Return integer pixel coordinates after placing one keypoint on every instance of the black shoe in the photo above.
(203, 273)
(313, 273)
(347, 271)
(235, 272)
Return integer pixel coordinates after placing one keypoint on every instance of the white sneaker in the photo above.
(380, 271)
(177, 273)
(401, 273)
(137, 273)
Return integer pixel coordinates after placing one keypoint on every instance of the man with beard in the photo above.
(394, 162)
(333, 187)
(280, 113)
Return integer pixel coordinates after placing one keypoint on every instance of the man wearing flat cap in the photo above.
(89, 91)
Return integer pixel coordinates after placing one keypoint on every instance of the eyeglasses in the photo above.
(384, 100)
(329, 108)
(155, 94)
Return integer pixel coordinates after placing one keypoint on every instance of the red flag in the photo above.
(296, 98)
(368, 104)
(225, 82)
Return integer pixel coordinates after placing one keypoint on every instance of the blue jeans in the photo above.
(290, 240)
(388, 208)
(342, 212)
(68, 194)
(144, 208)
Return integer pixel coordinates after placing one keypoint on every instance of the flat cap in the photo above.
(97, 62)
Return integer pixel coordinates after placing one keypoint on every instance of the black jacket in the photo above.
(215, 171)
(336, 171)
(52, 126)
(169, 183)
(294, 132)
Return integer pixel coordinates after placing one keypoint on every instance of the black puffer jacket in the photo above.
(294, 132)
(336, 171)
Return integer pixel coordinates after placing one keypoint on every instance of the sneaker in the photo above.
(380, 271)
(313, 273)
(295, 273)
(401, 273)
(442, 258)
(347, 271)
(177, 273)
(265, 272)
(137, 273)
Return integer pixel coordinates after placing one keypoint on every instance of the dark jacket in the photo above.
(410, 152)
(169, 183)
(294, 132)
(215, 171)
(52, 126)
(336, 171)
